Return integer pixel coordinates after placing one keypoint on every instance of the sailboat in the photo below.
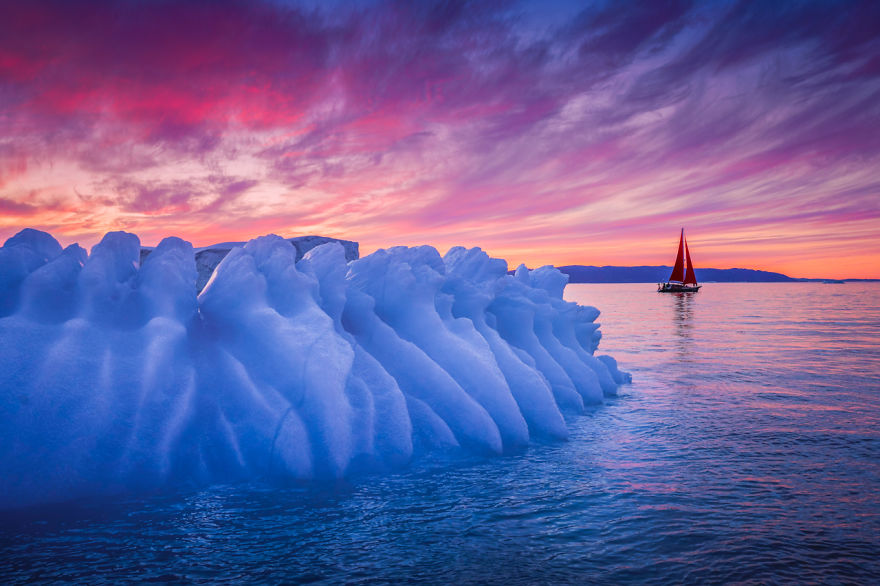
(681, 280)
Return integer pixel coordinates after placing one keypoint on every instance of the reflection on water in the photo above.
(746, 450)
(682, 319)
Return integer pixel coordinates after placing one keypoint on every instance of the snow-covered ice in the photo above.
(116, 375)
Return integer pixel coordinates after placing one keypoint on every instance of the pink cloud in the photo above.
(408, 122)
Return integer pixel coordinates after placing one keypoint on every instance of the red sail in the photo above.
(691, 277)
(678, 269)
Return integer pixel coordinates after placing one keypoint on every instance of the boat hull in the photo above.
(677, 288)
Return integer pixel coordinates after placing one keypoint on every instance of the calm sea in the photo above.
(746, 450)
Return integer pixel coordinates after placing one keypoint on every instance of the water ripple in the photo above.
(746, 451)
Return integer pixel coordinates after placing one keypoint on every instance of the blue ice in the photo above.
(117, 376)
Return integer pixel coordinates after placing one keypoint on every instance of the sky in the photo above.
(545, 132)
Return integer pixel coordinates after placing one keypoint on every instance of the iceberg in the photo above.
(118, 371)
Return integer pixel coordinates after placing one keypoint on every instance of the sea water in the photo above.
(747, 449)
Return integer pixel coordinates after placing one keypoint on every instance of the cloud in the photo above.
(437, 119)
(16, 208)
(613, 33)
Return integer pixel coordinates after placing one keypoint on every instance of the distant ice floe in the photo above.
(118, 376)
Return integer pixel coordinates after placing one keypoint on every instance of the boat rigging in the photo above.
(683, 278)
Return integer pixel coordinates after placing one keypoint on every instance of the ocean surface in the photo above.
(746, 450)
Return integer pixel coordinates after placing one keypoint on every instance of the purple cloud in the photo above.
(392, 121)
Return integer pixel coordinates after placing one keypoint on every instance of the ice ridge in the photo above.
(117, 375)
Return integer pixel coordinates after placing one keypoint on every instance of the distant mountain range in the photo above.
(657, 274)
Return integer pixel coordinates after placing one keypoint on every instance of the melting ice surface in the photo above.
(116, 376)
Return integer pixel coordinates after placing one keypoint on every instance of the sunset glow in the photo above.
(546, 133)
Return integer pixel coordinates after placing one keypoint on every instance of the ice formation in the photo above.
(116, 375)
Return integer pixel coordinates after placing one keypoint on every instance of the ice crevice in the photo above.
(116, 375)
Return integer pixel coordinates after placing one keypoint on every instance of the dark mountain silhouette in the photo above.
(656, 274)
